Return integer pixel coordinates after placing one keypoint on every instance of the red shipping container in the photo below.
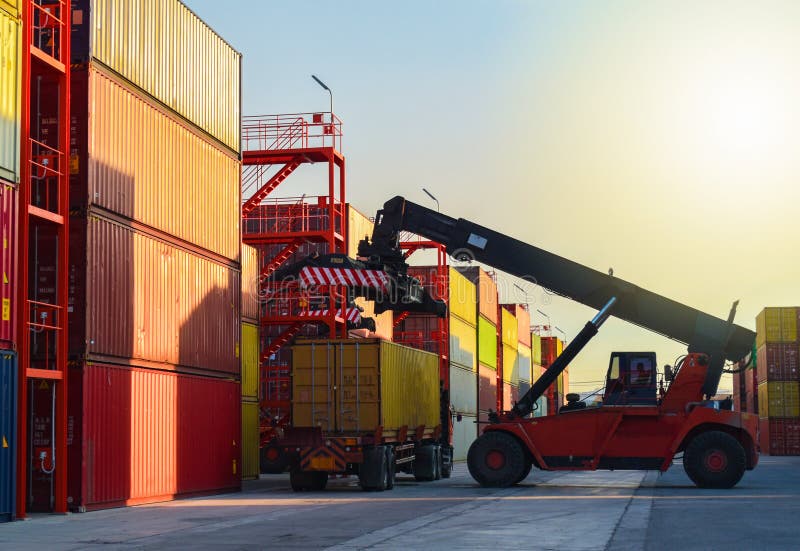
(428, 276)
(510, 396)
(487, 388)
(486, 290)
(549, 350)
(139, 436)
(792, 436)
(772, 436)
(8, 254)
(778, 362)
(134, 296)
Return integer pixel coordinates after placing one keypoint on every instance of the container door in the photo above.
(312, 385)
(358, 398)
(8, 440)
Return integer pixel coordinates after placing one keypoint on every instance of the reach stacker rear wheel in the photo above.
(497, 460)
(714, 459)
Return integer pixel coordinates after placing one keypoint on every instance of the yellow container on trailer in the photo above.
(354, 386)
(250, 439)
(249, 355)
(462, 298)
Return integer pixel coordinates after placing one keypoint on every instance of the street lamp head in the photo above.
(320, 83)
(542, 313)
(429, 194)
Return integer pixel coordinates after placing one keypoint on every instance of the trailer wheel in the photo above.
(447, 462)
(272, 459)
(425, 463)
(308, 480)
(497, 460)
(390, 468)
(372, 472)
(714, 459)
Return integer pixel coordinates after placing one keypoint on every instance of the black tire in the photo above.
(425, 463)
(447, 462)
(437, 475)
(319, 480)
(714, 459)
(300, 480)
(390, 468)
(272, 459)
(372, 472)
(497, 460)
(525, 473)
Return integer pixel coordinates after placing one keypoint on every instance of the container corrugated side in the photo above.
(138, 161)
(8, 434)
(462, 297)
(779, 399)
(141, 435)
(524, 356)
(12, 7)
(485, 291)
(536, 348)
(463, 390)
(138, 297)
(778, 362)
(8, 253)
(523, 316)
(509, 328)
(776, 325)
(487, 388)
(356, 385)
(487, 342)
(463, 343)
(250, 353)
(250, 283)
(10, 95)
(510, 364)
(250, 440)
(464, 434)
(536, 372)
(166, 50)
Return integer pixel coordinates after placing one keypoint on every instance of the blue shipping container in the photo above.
(8, 434)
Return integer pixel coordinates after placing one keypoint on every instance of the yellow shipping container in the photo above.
(354, 386)
(249, 355)
(165, 49)
(510, 364)
(779, 399)
(536, 348)
(249, 283)
(462, 298)
(774, 325)
(12, 7)
(10, 86)
(536, 372)
(250, 439)
(463, 344)
(524, 354)
(509, 328)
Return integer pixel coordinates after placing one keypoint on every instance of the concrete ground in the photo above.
(570, 511)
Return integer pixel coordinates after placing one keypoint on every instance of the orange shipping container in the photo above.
(249, 283)
(137, 297)
(138, 160)
(486, 291)
(523, 316)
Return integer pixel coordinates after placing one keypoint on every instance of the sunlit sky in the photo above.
(657, 138)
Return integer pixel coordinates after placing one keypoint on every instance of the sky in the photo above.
(657, 138)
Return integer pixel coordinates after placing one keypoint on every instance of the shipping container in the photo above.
(524, 355)
(384, 323)
(8, 254)
(8, 434)
(165, 49)
(509, 328)
(358, 385)
(510, 395)
(775, 325)
(523, 317)
(250, 280)
(487, 342)
(135, 296)
(250, 360)
(779, 399)
(485, 291)
(770, 437)
(778, 362)
(792, 436)
(487, 388)
(140, 435)
(510, 364)
(462, 299)
(12, 7)
(536, 348)
(139, 161)
(536, 372)
(463, 390)
(464, 434)
(250, 439)
(10, 94)
(463, 344)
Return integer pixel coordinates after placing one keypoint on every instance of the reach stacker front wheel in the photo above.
(497, 460)
(714, 459)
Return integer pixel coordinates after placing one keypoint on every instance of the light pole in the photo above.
(329, 93)
(432, 197)
(557, 328)
(548, 320)
(525, 294)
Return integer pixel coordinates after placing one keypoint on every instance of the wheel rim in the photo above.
(495, 460)
(272, 454)
(716, 461)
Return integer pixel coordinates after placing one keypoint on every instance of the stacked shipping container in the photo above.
(463, 361)
(155, 290)
(510, 358)
(536, 372)
(778, 377)
(10, 125)
(250, 345)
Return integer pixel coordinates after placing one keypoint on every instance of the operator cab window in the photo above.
(631, 379)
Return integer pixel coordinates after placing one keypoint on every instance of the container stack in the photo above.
(551, 349)
(250, 360)
(510, 357)
(524, 352)
(10, 92)
(487, 325)
(536, 371)
(778, 376)
(463, 361)
(155, 322)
